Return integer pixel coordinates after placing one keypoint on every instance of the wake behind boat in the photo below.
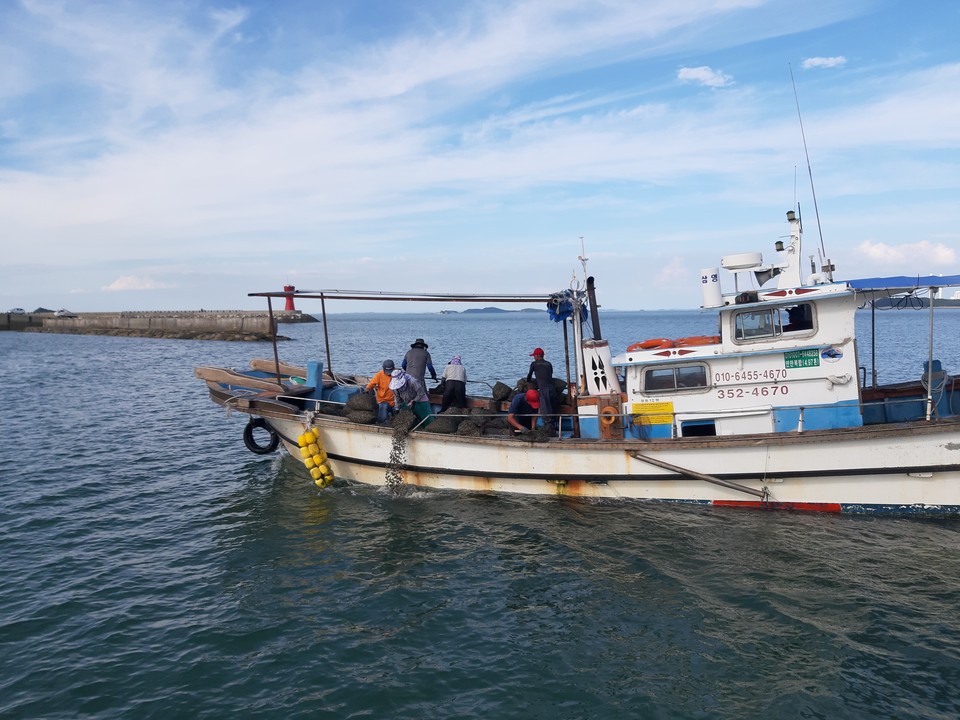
(775, 411)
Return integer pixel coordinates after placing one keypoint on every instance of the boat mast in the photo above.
(825, 266)
(577, 293)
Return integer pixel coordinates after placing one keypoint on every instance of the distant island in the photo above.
(489, 310)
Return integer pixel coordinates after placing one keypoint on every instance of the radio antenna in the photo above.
(813, 191)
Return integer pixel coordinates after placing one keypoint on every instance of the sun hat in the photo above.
(388, 366)
(536, 351)
(533, 399)
(419, 343)
(455, 360)
(398, 379)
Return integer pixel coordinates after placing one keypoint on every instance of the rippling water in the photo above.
(152, 567)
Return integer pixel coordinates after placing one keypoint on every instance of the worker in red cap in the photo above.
(543, 371)
(522, 415)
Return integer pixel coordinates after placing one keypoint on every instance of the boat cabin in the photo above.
(785, 358)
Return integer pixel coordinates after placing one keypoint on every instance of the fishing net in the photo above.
(501, 391)
(534, 436)
(361, 416)
(362, 401)
(469, 428)
(330, 409)
(498, 422)
(447, 422)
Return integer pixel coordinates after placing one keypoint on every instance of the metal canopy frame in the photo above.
(383, 296)
(389, 296)
(874, 289)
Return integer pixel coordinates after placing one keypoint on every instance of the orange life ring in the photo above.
(652, 344)
(608, 415)
(697, 340)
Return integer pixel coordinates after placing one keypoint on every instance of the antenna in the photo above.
(583, 257)
(816, 211)
(795, 186)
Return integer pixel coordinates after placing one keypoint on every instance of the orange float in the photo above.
(697, 340)
(652, 344)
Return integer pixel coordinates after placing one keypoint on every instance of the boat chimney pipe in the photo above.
(594, 317)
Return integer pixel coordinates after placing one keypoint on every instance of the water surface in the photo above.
(152, 567)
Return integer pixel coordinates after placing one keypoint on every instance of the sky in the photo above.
(179, 154)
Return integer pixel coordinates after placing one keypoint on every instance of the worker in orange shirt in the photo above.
(386, 402)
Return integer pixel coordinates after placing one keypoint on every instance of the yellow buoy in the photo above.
(315, 457)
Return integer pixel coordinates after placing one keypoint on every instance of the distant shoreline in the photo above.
(250, 326)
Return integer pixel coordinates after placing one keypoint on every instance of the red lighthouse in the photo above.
(289, 306)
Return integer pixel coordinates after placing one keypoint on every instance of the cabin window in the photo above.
(757, 324)
(798, 317)
(673, 379)
(773, 322)
(698, 428)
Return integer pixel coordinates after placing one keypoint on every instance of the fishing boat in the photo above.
(774, 411)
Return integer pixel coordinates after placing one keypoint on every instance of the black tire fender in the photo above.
(251, 442)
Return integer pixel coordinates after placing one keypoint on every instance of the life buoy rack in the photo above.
(652, 344)
(609, 415)
(697, 340)
(251, 442)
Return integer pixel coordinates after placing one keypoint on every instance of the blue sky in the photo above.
(177, 155)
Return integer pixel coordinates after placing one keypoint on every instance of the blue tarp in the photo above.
(905, 283)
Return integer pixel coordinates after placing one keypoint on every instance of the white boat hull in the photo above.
(911, 467)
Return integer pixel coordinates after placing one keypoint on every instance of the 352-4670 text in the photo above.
(763, 391)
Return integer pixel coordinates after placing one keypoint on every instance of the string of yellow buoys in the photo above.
(315, 458)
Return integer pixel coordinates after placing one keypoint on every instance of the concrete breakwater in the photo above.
(191, 325)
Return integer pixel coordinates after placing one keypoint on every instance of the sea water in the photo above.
(153, 568)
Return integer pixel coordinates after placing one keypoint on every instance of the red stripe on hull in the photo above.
(760, 505)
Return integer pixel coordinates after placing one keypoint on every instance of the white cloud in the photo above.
(674, 273)
(704, 75)
(824, 62)
(135, 282)
(909, 255)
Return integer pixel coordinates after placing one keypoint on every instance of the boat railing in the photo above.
(874, 412)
